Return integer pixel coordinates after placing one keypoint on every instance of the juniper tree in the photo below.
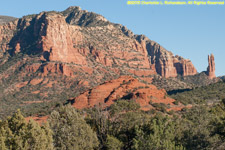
(18, 134)
(70, 131)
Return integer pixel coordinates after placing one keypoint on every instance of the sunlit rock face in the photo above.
(211, 67)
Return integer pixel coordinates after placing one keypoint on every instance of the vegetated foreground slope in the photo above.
(210, 94)
(122, 126)
(52, 56)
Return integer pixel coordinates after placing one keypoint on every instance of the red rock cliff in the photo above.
(166, 64)
(83, 38)
(56, 40)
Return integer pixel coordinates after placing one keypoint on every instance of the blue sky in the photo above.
(192, 32)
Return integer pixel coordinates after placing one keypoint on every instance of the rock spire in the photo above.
(211, 67)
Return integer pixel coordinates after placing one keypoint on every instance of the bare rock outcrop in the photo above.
(124, 87)
(7, 31)
(211, 67)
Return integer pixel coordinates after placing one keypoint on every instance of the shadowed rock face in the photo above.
(211, 67)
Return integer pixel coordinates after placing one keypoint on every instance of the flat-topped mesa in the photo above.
(211, 67)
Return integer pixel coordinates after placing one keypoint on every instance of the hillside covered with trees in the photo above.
(122, 126)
